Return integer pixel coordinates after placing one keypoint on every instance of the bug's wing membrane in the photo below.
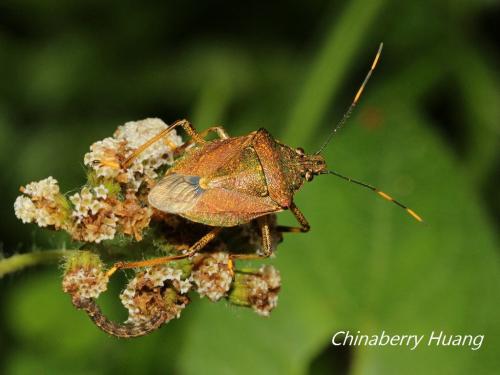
(176, 193)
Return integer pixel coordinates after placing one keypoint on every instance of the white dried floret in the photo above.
(46, 188)
(103, 157)
(101, 192)
(159, 274)
(25, 209)
(85, 282)
(214, 275)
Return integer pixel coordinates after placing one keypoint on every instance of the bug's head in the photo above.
(312, 165)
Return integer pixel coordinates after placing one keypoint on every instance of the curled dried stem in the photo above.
(115, 329)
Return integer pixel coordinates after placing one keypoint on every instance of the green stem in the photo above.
(480, 95)
(20, 261)
(212, 103)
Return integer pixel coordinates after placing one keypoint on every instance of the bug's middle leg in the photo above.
(266, 234)
(200, 244)
(266, 242)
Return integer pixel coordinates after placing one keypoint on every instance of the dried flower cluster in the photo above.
(110, 202)
(43, 203)
(105, 157)
(153, 290)
(112, 210)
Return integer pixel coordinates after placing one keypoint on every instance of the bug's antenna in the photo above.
(379, 192)
(354, 102)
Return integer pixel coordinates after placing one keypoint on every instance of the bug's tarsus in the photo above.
(380, 193)
(219, 130)
(355, 101)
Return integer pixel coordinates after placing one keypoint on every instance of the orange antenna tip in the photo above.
(381, 193)
(414, 214)
(377, 57)
(354, 102)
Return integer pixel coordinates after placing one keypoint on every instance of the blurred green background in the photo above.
(427, 131)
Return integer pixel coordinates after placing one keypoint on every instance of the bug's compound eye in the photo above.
(300, 151)
(309, 176)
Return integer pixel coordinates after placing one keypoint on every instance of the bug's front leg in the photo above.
(200, 244)
(304, 224)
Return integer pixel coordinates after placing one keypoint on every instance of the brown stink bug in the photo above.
(233, 180)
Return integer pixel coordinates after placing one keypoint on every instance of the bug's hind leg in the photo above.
(304, 224)
(200, 244)
(185, 124)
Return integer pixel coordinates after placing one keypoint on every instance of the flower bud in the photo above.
(84, 275)
(257, 289)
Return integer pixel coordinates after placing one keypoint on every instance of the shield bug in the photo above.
(233, 180)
